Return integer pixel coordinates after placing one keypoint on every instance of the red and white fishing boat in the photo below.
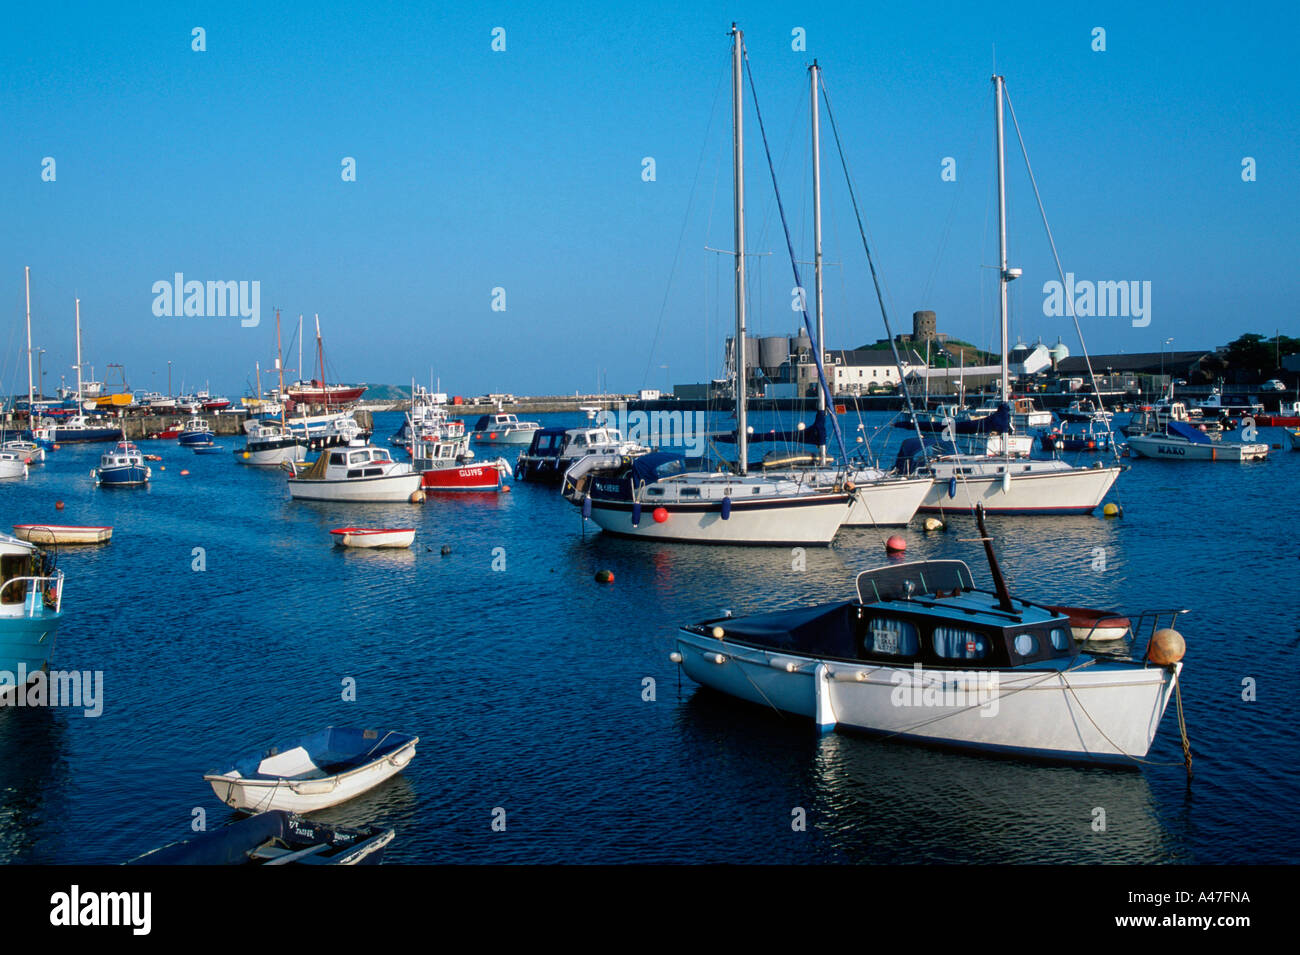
(63, 533)
(440, 452)
(373, 536)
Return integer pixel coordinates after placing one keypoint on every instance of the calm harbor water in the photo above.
(525, 682)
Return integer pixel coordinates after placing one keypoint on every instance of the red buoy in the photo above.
(660, 515)
(604, 576)
(895, 544)
(58, 505)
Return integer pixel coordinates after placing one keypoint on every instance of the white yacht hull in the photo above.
(808, 519)
(1046, 491)
(1102, 712)
(888, 502)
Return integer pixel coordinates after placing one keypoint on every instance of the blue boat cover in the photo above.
(1192, 434)
(814, 434)
(913, 452)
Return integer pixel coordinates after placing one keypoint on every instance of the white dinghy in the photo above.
(315, 771)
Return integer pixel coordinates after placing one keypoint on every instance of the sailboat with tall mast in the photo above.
(269, 444)
(316, 391)
(1002, 483)
(78, 428)
(656, 497)
(879, 498)
(28, 449)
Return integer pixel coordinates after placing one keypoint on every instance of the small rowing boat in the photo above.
(62, 534)
(373, 536)
(1087, 624)
(314, 771)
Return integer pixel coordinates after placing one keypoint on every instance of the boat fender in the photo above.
(1006, 481)
(952, 486)
(1167, 647)
(636, 513)
(726, 509)
(586, 507)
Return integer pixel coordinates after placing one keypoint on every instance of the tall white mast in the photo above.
(300, 378)
(738, 168)
(27, 280)
(79, 408)
(1005, 275)
(814, 73)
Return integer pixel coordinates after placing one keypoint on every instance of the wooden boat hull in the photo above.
(62, 534)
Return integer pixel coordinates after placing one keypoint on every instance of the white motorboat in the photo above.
(503, 428)
(12, 465)
(554, 450)
(314, 771)
(270, 445)
(355, 474)
(1183, 442)
(373, 536)
(921, 655)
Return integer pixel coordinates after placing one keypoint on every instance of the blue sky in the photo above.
(522, 170)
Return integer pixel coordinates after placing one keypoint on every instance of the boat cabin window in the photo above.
(1060, 638)
(951, 643)
(358, 457)
(337, 458)
(690, 492)
(655, 491)
(895, 638)
(1025, 644)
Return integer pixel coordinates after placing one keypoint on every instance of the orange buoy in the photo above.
(505, 488)
(1167, 647)
(58, 505)
(184, 472)
(604, 576)
(56, 447)
(660, 515)
(895, 544)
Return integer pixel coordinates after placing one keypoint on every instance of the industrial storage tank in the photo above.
(801, 345)
(773, 353)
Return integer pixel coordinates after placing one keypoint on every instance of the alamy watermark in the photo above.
(1100, 299)
(82, 689)
(946, 688)
(658, 429)
(193, 299)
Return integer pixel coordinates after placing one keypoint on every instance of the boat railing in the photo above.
(1137, 626)
(42, 590)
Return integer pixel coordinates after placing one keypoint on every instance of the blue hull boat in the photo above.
(31, 605)
(122, 467)
(276, 838)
